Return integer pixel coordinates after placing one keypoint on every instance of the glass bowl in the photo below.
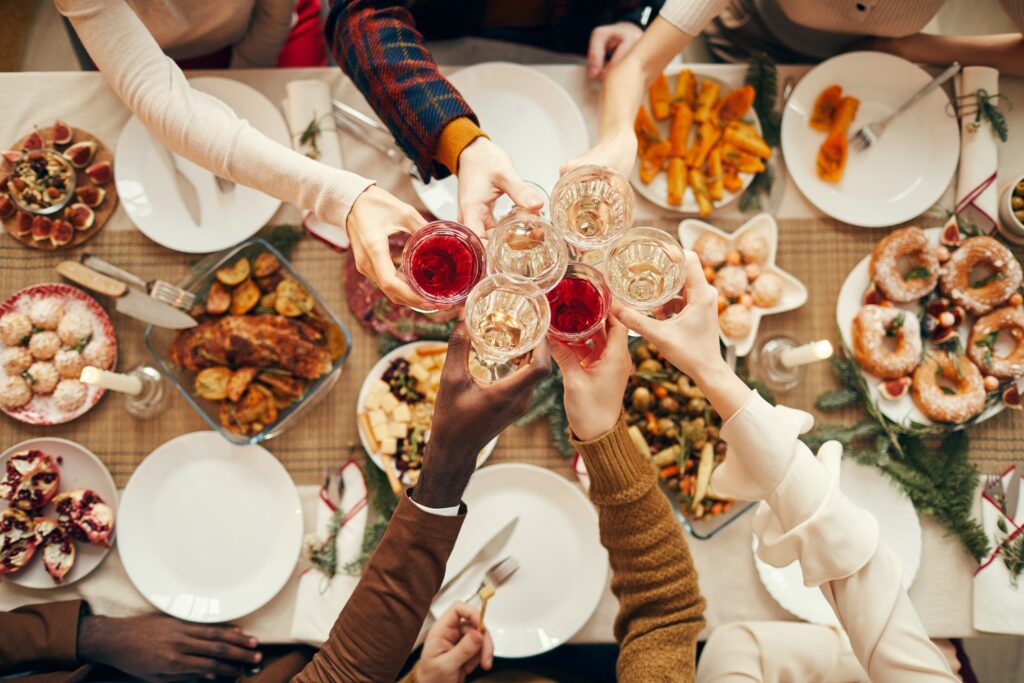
(72, 183)
(705, 528)
(159, 341)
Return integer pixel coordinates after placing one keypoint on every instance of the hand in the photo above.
(592, 375)
(467, 415)
(375, 215)
(486, 173)
(455, 646)
(156, 647)
(611, 39)
(616, 151)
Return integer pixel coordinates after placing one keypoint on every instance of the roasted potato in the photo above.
(283, 385)
(244, 298)
(292, 299)
(218, 299)
(212, 383)
(256, 403)
(234, 274)
(239, 382)
(270, 282)
(267, 300)
(265, 264)
(336, 343)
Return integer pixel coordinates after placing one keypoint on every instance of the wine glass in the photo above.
(506, 317)
(527, 244)
(645, 268)
(592, 206)
(443, 261)
(579, 304)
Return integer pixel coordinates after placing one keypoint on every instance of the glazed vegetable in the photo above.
(832, 154)
(740, 160)
(654, 160)
(661, 99)
(646, 131)
(746, 139)
(707, 136)
(686, 89)
(676, 180)
(709, 91)
(736, 104)
(679, 134)
(825, 107)
(699, 185)
(716, 181)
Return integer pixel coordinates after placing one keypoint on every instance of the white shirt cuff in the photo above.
(440, 512)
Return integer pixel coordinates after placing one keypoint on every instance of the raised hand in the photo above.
(609, 44)
(485, 174)
(455, 647)
(616, 151)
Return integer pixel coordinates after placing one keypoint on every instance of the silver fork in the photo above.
(161, 290)
(498, 574)
(869, 134)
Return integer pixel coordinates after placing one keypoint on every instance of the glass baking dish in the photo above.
(706, 527)
(159, 341)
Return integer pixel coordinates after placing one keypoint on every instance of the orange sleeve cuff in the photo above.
(455, 137)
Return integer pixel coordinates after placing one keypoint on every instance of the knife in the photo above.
(1013, 493)
(489, 550)
(186, 190)
(127, 300)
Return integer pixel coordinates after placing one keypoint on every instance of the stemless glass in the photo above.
(592, 206)
(645, 268)
(506, 316)
(443, 261)
(579, 304)
(527, 244)
(504, 203)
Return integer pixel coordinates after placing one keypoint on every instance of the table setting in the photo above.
(249, 484)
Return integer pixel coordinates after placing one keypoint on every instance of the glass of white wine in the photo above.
(504, 203)
(592, 206)
(527, 244)
(507, 316)
(645, 268)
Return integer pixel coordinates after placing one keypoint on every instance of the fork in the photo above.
(498, 574)
(161, 290)
(869, 134)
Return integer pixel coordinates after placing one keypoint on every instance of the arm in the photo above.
(40, 637)
(268, 31)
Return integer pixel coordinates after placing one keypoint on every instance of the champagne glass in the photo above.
(443, 261)
(592, 206)
(579, 304)
(527, 244)
(645, 268)
(506, 316)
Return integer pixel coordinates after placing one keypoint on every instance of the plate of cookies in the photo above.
(934, 320)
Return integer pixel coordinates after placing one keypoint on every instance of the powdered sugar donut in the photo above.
(753, 247)
(731, 282)
(982, 296)
(767, 290)
(99, 353)
(940, 373)
(69, 395)
(904, 265)
(871, 329)
(14, 392)
(981, 345)
(69, 363)
(735, 321)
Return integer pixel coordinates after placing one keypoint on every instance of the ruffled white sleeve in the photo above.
(691, 16)
(197, 126)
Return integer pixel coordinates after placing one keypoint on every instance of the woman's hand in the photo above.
(485, 174)
(595, 381)
(376, 215)
(609, 44)
(617, 151)
(455, 646)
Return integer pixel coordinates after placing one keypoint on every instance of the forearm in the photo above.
(723, 388)
(40, 636)
(268, 31)
(1003, 51)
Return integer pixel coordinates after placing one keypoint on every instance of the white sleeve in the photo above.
(452, 511)
(197, 126)
(268, 31)
(691, 16)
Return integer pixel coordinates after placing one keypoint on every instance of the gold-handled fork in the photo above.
(498, 574)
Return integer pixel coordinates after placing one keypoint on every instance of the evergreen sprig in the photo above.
(422, 329)
(763, 76)
(382, 501)
(547, 402)
(283, 237)
(1013, 557)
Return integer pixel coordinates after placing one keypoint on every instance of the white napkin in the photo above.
(319, 600)
(976, 194)
(998, 604)
(308, 100)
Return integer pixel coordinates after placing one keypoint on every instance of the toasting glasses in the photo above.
(506, 317)
(442, 262)
(592, 206)
(579, 304)
(525, 243)
(645, 268)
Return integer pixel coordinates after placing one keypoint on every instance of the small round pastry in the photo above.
(938, 374)
(981, 296)
(44, 345)
(981, 345)
(46, 313)
(15, 359)
(74, 328)
(69, 363)
(42, 377)
(753, 247)
(15, 328)
(14, 392)
(735, 321)
(731, 281)
(69, 395)
(17, 540)
(767, 290)
(711, 249)
(872, 325)
(904, 248)
(99, 353)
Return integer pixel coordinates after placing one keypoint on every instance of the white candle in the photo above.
(115, 381)
(808, 353)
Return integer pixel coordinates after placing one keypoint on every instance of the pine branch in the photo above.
(283, 237)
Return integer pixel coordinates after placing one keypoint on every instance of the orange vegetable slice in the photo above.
(825, 107)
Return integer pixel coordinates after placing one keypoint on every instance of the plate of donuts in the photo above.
(934, 320)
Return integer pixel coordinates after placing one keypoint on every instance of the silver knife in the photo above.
(491, 549)
(127, 300)
(186, 190)
(1013, 493)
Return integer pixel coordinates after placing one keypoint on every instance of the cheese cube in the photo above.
(388, 446)
(373, 401)
(402, 413)
(380, 431)
(398, 430)
(377, 417)
(389, 403)
(418, 372)
(379, 388)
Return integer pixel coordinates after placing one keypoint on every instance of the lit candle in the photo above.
(115, 381)
(808, 353)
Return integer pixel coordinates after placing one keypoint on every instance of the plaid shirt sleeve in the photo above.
(377, 45)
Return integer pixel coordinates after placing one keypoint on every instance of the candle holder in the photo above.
(151, 401)
(767, 358)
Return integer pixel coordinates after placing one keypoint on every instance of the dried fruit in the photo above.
(937, 306)
(80, 215)
(1011, 397)
(41, 226)
(991, 383)
(894, 389)
(90, 195)
(32, 141)
(23, 223)
(943, 335)
(12, 156)
(80, 153)
(6, 207)
(61, 233)
(951, 233)
(101, 172)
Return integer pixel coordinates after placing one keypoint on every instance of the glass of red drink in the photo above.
(579, 304)
(443, 261)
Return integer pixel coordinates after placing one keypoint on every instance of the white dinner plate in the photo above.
(149, 193)
(899, 529)
(209, 531)
(563, 567)
(79, 469)
(900, 176)
(849, 303)
(525, 113)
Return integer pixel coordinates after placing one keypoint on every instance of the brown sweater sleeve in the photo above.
(661, 610)
(377, 628)
(42, 637)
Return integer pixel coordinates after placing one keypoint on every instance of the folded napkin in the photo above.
(319, 599)
(998, 602)
(976, 195)
(309, 104)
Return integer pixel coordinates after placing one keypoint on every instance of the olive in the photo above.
(669, 405)
(1019, 215)
(641, 398)
(1020, 188)
(641, 352)
(697, 405)
(650, 365)
(1017, 203)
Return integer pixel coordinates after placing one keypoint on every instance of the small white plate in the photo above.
(794, 294)
(525, 113)
(149, 193)
(79, 469)
(563, 567)
(375, 373)
(899, 529)
(209, 531)
(849, 303)
(900, 176)
(656, 191)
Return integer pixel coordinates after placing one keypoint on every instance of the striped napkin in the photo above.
(998, 598)
(976, 195)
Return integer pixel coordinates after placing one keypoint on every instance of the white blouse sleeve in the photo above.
(197, 126)
(691, 16)
(269, 27)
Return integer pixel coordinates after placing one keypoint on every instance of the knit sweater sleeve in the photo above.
(691, 16)
(661, 610)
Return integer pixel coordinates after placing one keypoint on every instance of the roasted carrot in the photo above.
(676, 185)
(679, 134)
(736, 104)
(825, 107)
(700, 191)
(743, 162)
(707, 137)
(716, 181)
(706, 100)
(746, 139)
(731, 178)
(645, 129)
(670, 471)
(653, 160)
(846, 112)
(832, 157)
(661, 99)
(686, 89)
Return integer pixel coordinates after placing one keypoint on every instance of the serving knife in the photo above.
(488, 551)
(127, 300)
(186, 190)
